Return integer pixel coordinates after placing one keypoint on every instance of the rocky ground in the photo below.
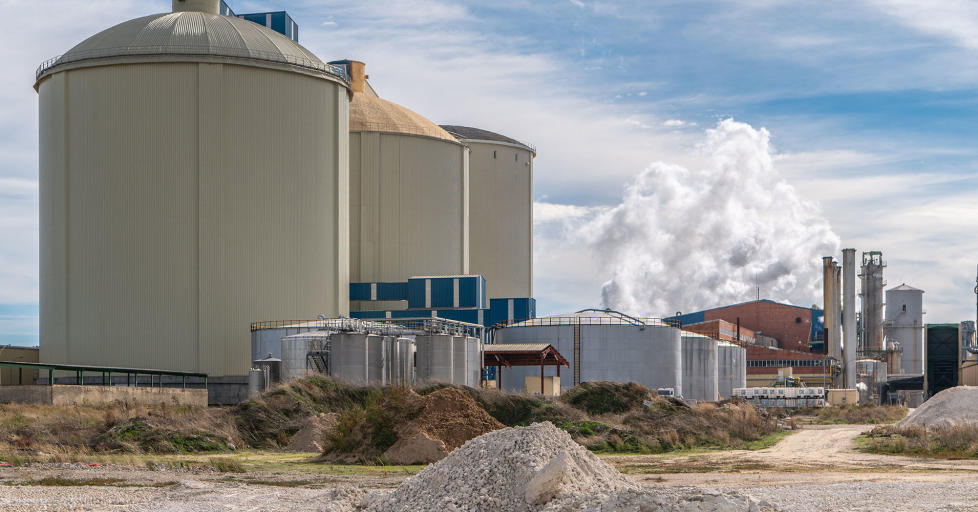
(815, 469)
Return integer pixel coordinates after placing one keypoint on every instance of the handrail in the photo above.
(211, 51)
(80, 370)
(588, 320)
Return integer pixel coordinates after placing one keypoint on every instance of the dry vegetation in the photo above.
(604, 417)
(957, 442)
(865, 414)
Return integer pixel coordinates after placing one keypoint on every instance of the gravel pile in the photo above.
(949, 408)
(536, 468)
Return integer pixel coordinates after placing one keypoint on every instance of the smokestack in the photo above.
(849, 315)
(837, 312)
(828, 279)
(208, 6)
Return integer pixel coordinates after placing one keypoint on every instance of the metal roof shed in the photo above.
(522, 354)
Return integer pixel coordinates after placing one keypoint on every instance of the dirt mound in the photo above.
(442, 421)
(606, 397)
(312, 436)
(952, 407)
(533, 468)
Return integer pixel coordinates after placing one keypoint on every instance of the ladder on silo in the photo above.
(577, 352)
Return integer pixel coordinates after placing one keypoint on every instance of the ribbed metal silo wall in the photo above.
(731, 369)
(562, 339)
(501, 218)
(348, 358)
(699, 368)
(182, 201)
(904, 324)
(409, 212)
(435, 359)
(650, 356)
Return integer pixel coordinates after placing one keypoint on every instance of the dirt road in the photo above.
(818, 468)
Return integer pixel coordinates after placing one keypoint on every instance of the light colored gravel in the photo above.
(951, 407)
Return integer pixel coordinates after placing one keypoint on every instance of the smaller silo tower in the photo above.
(905, 325)
(500, 211)
(871, 294)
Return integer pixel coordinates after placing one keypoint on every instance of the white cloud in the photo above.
(956, 20)
(677, 123)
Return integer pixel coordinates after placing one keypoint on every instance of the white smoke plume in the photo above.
(685, 240)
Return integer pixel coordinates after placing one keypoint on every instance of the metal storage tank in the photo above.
(436, 359)
(731, 368)
(700, 370)
(348, 357)
(500, 211)
(296, 350)
(402, 373)
(193, 179)
(905, 324)
(409, 199)
(266, 337)
(612, 347)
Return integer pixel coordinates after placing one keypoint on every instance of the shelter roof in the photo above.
(905, 288)
(522, 354)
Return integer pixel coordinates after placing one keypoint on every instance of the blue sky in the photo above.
(871, 106)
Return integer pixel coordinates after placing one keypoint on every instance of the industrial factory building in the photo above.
(791, 327)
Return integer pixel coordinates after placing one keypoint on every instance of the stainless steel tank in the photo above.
(731, 369)
(700, 371)
(435, 359)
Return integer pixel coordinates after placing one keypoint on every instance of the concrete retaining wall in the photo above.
(98, 395)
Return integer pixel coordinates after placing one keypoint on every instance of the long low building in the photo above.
(764, 365)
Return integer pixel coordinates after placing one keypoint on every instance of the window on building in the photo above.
(494, 154)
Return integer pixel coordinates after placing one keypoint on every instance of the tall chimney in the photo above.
(849, 315)
(837, 312)
(208, 6)
(828, 303)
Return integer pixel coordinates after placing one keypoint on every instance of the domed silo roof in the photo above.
(191, 35)
(470, 134)
(370, 113)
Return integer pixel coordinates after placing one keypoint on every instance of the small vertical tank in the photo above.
(435, 359)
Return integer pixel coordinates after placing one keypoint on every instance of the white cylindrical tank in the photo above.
(731, 369)
(435, 359)
(904, 323)
(193, 179)
(500, 211)
(409, 193)
(650, 355)
(700, 371)
(403, 365)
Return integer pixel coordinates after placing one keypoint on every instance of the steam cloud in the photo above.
(684, 240)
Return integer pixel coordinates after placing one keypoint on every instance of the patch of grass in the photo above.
(959, 442)
(140, 435)
(227, 465)
(864, 414)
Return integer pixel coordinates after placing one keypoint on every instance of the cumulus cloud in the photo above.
(685, 239)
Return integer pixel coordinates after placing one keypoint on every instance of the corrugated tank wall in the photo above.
(501, 218)
(650, 356)
(182, 201)
(409, 211)
(699, 368)
(731, 369)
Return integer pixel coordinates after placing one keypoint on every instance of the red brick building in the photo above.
(722, 330)
(764, 363)
(795, 327)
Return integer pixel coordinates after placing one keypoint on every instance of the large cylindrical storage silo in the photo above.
(905, 324)
(611, 349)
(435, 359)
(193, 180)
(295, 354)
(700, 371)
(731, 369)
(409, 199)
(500, 211)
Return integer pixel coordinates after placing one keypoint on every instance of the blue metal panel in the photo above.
(368, 315)
(416, 293)
(688, 318)
(461, 315)
(472, 292)
(442, 292)
(278, 23)
(359, 291)
(392, 291)
(281, 22)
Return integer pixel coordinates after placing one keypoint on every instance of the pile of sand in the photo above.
(949, 408)
(313, 434)
(536, 468)
(443, 421)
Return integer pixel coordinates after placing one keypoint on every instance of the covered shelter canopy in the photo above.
(522, 354)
